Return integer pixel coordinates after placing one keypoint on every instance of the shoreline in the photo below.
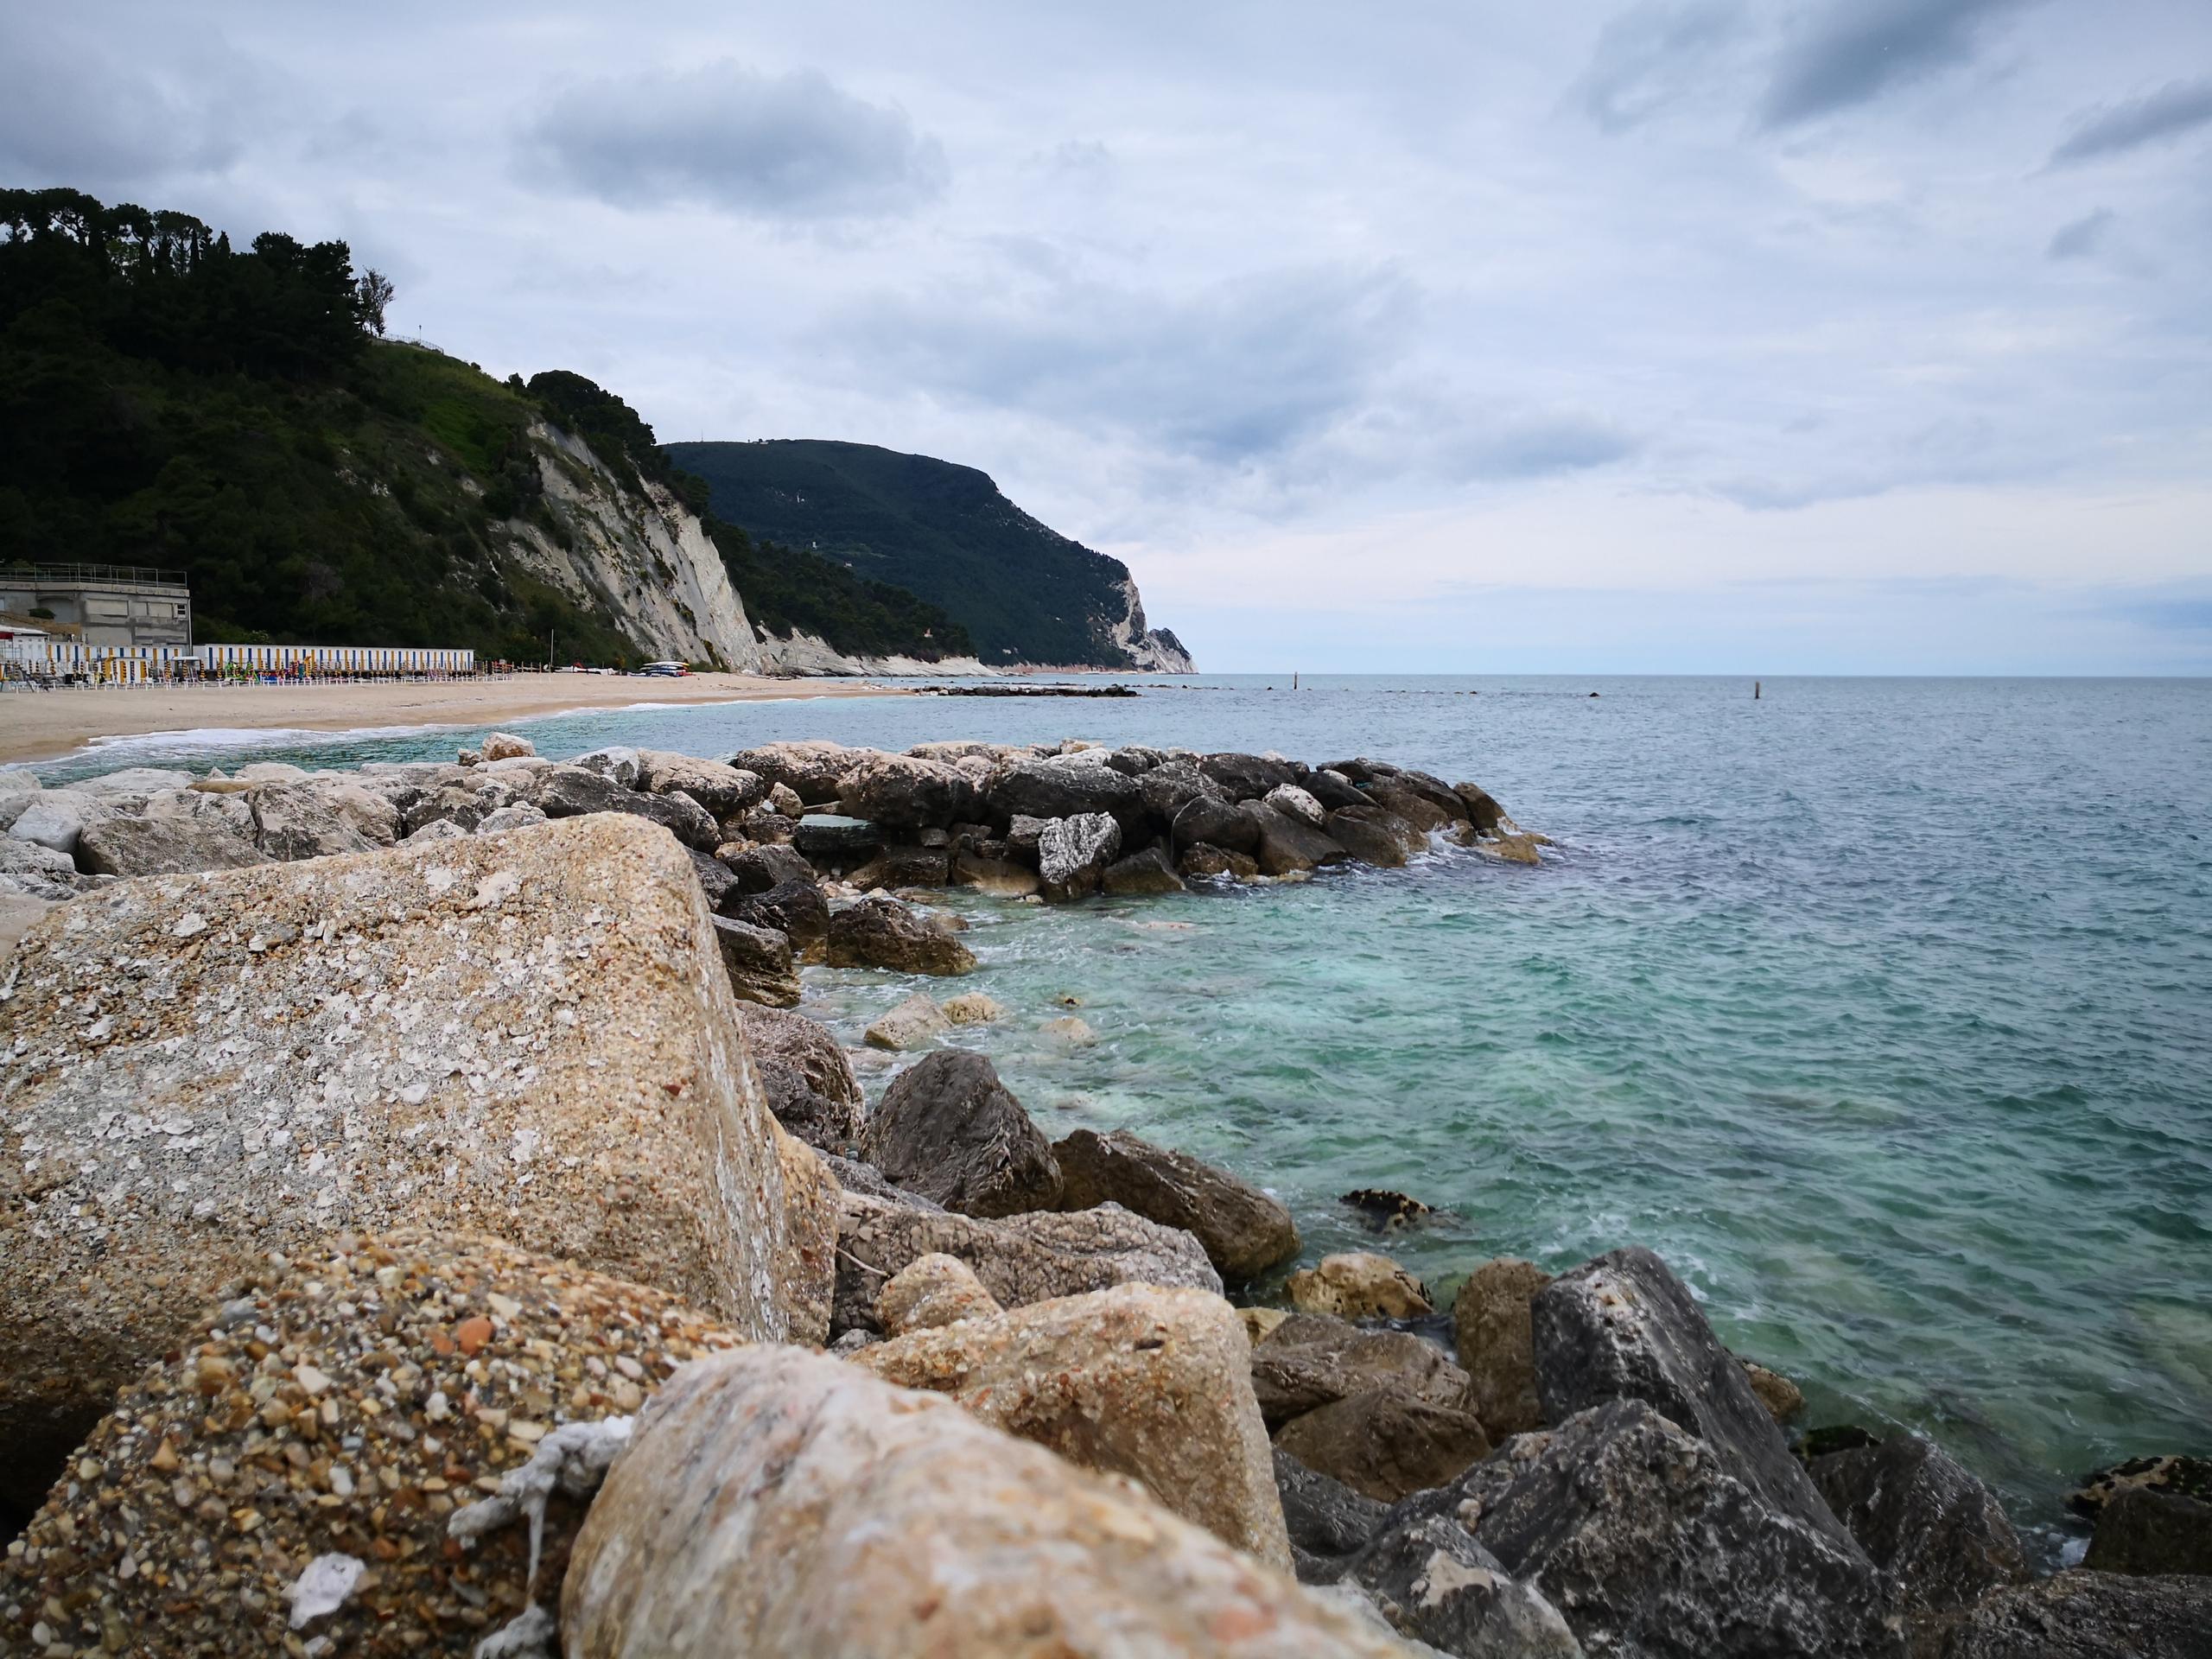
(50, 726)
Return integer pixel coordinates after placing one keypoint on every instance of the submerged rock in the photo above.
(915, 1023)
(785, 1506)
(949, 1130)
(1245, 1231)
(881, 933)
(1359, 1285)
(1136, 1380)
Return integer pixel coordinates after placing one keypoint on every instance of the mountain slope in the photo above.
(1025, 593)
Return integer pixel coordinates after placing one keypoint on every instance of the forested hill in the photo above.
(1024, 592)
(167, 399)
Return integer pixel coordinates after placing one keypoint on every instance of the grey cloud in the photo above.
(1238, 371)
(792, 146)
(2179, 106)
(1652, 56)
(70, 114)
(1408, 429)
(1851, 51)
(2079, 240)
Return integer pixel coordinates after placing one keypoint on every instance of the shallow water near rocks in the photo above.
(1881, 1009)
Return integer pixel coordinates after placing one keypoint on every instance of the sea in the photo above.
(1881, 1009)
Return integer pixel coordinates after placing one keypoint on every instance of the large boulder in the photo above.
(1060, 786)
(931, 1292)
(1434, 1584)
(1245, 1231)
(722, 791)
(1492, 1330)
(1137, 1381)
(904, 866)
(1311, 1360)
(902, 793)
(880, 932)
(767, 867)
(1333, 790)
(1387, 1442)
(1296, 803)
(316, 818)
(1020, 1258)
(1648, 1543)
(574, 791)
(1623, 1327)
(343, 1405)
(1921, 1517)
(529, 1034)
(1412, 807)
(2084, 1615)
(1375, 836)
(1211, 821)
(808, 1081)
(1249, 777)
(1359, 1285)
(795, 909)
(505, 746)
(179, 832)
(949, 1130)
(1483, 809)
(1287, 845)
(758, 962)
(1328, 1523)
(1166, 789)
(2143, 1529)
(54, 818)
(782, 1505)
(811, 768)
(1072, 854)
(1144, 873)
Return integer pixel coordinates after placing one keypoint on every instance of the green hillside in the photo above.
(1024, 592)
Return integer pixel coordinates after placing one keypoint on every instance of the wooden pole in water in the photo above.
(1755, 690)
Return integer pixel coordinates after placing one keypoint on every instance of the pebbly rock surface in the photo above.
(808, 1082)
(1245, 1231)
(1136, 1380)
(932, 1290)
(1019, 1260)
(2085, 1615)
(1359, 1285)
(1924, 1519)
(1311, 1360)
(1387, 1442)
(528, 1035)
(878, 932)
(1491, 1329)
(1643, 1538)
(785, 1506)
(343, 1405)
(949, 1130)
(1434, 1583)
(758, 962)
(1623, 1327)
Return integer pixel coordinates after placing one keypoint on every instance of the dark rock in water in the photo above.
(2082, 1615)
(808, 1080)
(1249, 777)
(902, 793)
(1141, 874)
(716, 879)
(1216, 823)
(1032, 692)
(1333, 790)
(949, 1130)
(1436, 1584)
(1245, 1231)
(1312, 1360)
(759, 962)
(1201, 862)
(1483, 809)
(795, 909)
(1173, 784)
(1624, 1328)
(1833, 1437)
(1375, 836)
(2189, 1476)
(1416, 810)
(1384, 1210)
(756, 869)
(1643, 1539)
(828, 834)
(1286, 845)
(884, 933)
(1328, 1522)
(1059, 787)
(1072, 854)
(1924, 1519)
(1491, 1333)
(905, 867)
(2145, 1529)
(1387, 1442)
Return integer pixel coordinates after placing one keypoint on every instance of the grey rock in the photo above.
(833, 836)
(722, 790)
(178, 833)
(715, 880)
(1072, 854)
(880, 932)
(795, 909)
(1168, 788)
(1311, 1360)
(1060, 786)
(906, 866)
(1245, 1231)
(1329, 1522)
(1425, 814)
(758, 962)
(1296, 803)
(902, 792)
(1387, 1442)
(135, 781)
(757, 869)
(521, 815)
(571, 792)
(1142, 874)
(1623, 1327)
(434, 829)
(868, 1181)
(1213, 822)
(318, 818)
(617, 762)
(2082, 1615)
(1436, 1584)
(1334, 791)
(35, 858)
(949, 1130)
(1286, 845)
(811, 768)
(2144, 1530)
(803, 1072)
(1249, 777)
(1923, 1518)
(54, 819)
(1375, 836)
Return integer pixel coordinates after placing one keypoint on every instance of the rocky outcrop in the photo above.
(1151, 650)
(1490, 1327)
(784, 1506)
(530, 1032)
(1359, 1285)
(880, 932)
(1245, 1231)
(947, 1128)
(1137, 1381)
(340, 1409)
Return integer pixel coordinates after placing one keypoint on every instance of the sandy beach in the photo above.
(45, 725)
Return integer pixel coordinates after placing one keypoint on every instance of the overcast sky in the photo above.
(1742, 335)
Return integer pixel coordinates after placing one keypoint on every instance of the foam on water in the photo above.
(1878, 1007)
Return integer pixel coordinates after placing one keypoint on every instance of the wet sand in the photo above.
(45, 725)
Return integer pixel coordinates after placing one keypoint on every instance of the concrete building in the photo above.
(114, 604)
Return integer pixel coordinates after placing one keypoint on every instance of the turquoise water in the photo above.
(1882, 1009)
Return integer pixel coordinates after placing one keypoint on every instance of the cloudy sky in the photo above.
(1742, 335)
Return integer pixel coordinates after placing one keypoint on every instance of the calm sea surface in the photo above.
(1882, 1009)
